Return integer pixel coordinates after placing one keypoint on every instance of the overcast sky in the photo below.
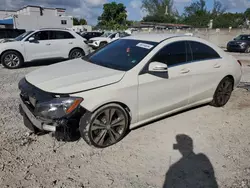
(91, 9)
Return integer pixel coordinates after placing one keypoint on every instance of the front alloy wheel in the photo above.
(11, 60)
(106, 127)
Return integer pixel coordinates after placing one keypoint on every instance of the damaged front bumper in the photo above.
(65, 129)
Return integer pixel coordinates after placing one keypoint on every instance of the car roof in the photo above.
(54, 29)
(152, 37)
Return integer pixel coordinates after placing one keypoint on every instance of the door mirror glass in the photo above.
(32, 39)
(157, 67)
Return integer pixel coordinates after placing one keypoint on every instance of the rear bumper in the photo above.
(236, 48)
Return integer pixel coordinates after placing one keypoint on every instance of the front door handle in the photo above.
(71, 43)
(48, 44)
(217, 66)
(185, 71)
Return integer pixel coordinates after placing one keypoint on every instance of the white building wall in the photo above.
(32, 22)
(4, 14)
(81, 28)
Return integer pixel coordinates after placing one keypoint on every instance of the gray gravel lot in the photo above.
(141, 159)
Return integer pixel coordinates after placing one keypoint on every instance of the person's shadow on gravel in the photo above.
(192, 170)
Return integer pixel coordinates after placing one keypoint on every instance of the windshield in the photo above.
(128, 53)
(105, 34)
(22, 36)
(243, 37)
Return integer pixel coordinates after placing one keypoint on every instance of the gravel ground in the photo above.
(141, 159)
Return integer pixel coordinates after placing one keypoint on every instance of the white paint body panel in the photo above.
(147, 96)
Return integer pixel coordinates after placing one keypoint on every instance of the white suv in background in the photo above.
(42, 44)
(106, 38)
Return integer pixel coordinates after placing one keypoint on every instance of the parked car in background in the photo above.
(106, 38)
(42, 44)
(89, 35)
(131, 81)
(10, 33)
(239, 44)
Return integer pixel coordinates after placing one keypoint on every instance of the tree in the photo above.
(80, 21)
(247, 13)
(196, 14)
(159, 11)
(114, 16)
(158, 7)
(75, 21)
(218, 8)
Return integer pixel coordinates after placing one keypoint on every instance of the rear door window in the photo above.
(57, 35)
(202, 52)
(173, 54)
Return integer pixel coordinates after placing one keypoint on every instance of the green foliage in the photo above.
(197, 15)
(114, 17)
(247, 13)
(159, 11)
(81, 21)
(158, 7)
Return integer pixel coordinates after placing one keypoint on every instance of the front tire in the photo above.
(12, 60)
(223, 92)
(105, 127)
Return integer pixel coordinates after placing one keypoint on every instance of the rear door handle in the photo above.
(48, 44)
(217, 66)
(71, 43)
(185, 71)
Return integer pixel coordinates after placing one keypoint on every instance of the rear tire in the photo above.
(223, 92)
(12, 60)
(247, 49)
(102, 44)
(105, 127)
(76, 53)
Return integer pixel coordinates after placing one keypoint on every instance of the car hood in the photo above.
(99, 38)
(73, 76)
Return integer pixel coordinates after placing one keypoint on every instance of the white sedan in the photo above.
(130, 82)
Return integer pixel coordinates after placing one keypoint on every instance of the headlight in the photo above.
(242, 44)
(57, 108)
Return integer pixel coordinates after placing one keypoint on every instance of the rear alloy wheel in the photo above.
(223, 92)
(11, 60)
(76, 53)
(102, 44)
(107, 126)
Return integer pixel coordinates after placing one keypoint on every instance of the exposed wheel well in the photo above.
(77, 48)
(231, 77)
(12, 51)
(124, 106)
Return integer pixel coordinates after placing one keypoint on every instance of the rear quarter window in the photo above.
(202, 51)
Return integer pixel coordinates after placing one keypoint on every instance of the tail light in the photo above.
(239, 62)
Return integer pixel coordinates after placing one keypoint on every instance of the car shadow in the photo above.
(39, 63)
(192, 170)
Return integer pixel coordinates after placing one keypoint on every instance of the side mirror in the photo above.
(32, 39)
(157, 67)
